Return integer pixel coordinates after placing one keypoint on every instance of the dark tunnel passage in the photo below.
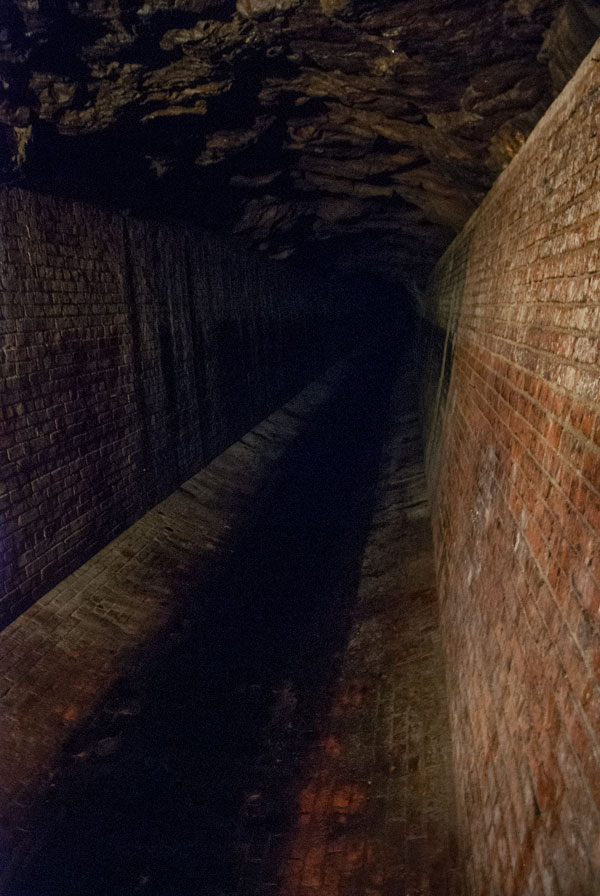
(188, 777)
(299, 448)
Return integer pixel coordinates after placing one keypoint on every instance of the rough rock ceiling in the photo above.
(358, 129)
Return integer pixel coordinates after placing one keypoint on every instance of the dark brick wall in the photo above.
(131, 354)
(515, 481)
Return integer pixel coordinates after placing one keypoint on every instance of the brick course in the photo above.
(515, 481)
(131, 354)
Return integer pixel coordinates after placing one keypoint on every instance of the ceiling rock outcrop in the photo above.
(364, 130)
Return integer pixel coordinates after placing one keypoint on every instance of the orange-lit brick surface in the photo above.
(375, 815)
(516, 514)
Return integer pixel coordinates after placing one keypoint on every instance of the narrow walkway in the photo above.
(244, 693)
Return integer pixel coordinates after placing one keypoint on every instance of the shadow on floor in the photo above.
(186, 780)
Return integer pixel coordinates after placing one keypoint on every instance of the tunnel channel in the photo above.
(286, 731)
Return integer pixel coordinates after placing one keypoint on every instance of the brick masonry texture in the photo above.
(131, 354)
(515, 482)
(376, 809)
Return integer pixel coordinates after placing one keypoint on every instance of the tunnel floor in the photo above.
(244, 694)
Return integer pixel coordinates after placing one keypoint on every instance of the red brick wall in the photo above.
(130, 354)
(515, 482)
